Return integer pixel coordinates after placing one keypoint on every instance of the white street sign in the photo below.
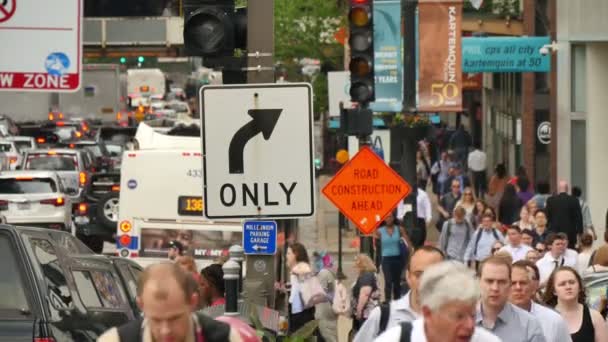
(41, 45)
(258, 150)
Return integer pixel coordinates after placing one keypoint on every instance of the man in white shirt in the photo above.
(524, 285)
(555, 257)
(448, 315)
(515, 247)
(477, 165)
(407, 308)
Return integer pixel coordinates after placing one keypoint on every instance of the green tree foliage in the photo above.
(305, 29)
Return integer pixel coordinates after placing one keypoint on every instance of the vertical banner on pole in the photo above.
(388, 61)
(440, 59)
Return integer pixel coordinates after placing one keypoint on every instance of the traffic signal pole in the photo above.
(366, 241)
(259, 281)
(407, 168)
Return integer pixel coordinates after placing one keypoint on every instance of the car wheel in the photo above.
(107, 210)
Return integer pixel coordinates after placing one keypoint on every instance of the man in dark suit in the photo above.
(564, 214)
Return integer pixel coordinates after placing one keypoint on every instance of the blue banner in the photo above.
(505, 54)
(388, 62)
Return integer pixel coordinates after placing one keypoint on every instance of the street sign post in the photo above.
(41, 45)
(260, 237)
(366, 190)
(258, 145)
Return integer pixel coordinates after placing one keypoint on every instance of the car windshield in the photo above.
(117, 149)
(12, 186)
(56, 162)
(65, 132)
(95, 149)
(5, 147)
(23, 144)
(178, 107)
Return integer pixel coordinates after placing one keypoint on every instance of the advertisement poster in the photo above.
(205, 244)
(388, 62)
(440, 57)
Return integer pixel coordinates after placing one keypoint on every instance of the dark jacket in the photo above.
(564, 215)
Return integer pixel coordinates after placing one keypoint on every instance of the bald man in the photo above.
(167, 296)
(564, 214)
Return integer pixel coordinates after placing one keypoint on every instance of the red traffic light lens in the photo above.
(360, 67)
(360, 16)
(360, 41)
(361, 92)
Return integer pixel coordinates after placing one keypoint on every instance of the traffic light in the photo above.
(214, 27)
(141, 59)
(356, 121)
(361, 66)
(123, 60)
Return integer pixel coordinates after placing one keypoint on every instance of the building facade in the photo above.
(580, 131)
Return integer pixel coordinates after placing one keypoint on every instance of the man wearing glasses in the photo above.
(447, 315)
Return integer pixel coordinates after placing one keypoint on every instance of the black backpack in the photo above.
(406, 327)
(478, 237)
(213, 331)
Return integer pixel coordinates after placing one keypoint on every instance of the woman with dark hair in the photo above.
(390, 234)
(299, 264)
(542, 193)
(497, 185)
(566, 293)
(212, 285)
(509, 206)
(523, 189)
(480, 208)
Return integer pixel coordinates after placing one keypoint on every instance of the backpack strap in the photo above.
(385, 312)
(477, 238)
(130, 331)
(495, 233)
(406, 331)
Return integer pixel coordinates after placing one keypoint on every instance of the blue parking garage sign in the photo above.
(260, 237)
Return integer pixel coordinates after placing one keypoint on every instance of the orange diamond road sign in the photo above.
(366, 190)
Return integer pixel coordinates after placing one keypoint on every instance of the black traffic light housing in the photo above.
(214, 28)
(356, 121)
(361, 41)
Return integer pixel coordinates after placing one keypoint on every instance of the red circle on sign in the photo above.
(7, 9)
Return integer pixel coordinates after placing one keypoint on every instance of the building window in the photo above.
(578, 157)
(579, 78)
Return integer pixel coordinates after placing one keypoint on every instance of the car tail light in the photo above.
(82, 177)
(51, 117)
(3, 205)
(78, 134)
(82, 208)
(58, 202)
(40, 140)
(118, 116)
(60, 123)
(116, 188)
(44, 339)
(125, 226)
(13, 160)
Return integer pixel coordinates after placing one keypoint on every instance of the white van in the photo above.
(161, 200)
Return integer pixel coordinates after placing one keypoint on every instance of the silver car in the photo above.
(35, 198)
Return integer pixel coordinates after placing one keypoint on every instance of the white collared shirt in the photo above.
(517, 253)
(418, 334)
(477, 160)
(400, 311)
(553, 324)
(424, 210)
(546, 265)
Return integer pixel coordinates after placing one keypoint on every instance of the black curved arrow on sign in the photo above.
(264, 121)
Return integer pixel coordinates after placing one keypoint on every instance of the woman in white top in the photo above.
(525, 220)
(584, 255)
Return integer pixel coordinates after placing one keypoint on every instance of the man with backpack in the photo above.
(480, 245)
(455, 235)
(168, 298)
(407, 308)
(446, 314)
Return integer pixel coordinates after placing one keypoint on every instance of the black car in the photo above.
(96, 217)
(54, 289)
